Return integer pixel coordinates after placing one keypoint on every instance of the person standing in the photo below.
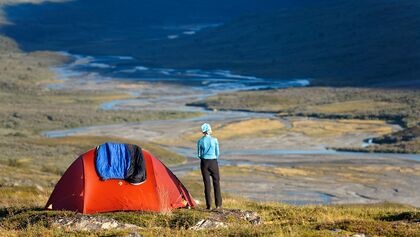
(208, 153)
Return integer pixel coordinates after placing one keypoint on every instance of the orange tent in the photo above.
(81, 189)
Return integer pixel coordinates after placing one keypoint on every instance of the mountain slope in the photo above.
(116, 27)
(362, 42)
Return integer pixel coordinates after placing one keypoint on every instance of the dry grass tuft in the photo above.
(252, 127)
(244, 170)
(242, 129)
(356, 106)
(316, 128)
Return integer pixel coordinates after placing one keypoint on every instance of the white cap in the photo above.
(205, 127)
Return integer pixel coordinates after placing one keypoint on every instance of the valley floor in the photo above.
(283, 159)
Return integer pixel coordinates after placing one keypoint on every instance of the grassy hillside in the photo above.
(3, 19)
(336, 42)
(278, 220)
(109, 27)
(26, 217)
(7, 45)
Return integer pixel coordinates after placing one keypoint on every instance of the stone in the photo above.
(133, 234)
(219, 217)
(81, 222)
(250, 216)
(360, 235)
(109, 225)
(208, 224)
(130, 226)
(39, 187)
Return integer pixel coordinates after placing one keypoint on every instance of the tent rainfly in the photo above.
(81, 189)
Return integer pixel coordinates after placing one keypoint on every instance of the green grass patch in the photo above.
(391, 104)
(177, 219)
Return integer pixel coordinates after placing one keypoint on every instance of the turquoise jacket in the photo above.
(207, 148)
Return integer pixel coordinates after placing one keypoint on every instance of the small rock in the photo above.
(250, 216)
(17, 115)
(133, 234)
(208, 224)
(360, 235)
(130, 226)
(81, 222)
(109, 225)
(50, 117)
(336, 230)
(39, 187)
(219, 218)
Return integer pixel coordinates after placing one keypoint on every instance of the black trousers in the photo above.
(210, 168)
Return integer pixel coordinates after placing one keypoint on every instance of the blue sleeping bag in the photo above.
(112, 161)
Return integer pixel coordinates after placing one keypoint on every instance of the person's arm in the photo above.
(198, 150)
(217, 148)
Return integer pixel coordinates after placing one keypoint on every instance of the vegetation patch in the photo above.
(181, 218)
(325, 102)
(316, 128)
(413, 216)
(245, 170)
(278, 220)
(374, 228)
(243, 129)
(252, 127)
(356, 106)
(391, 105)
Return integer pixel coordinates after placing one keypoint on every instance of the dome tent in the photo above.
(81, 189)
